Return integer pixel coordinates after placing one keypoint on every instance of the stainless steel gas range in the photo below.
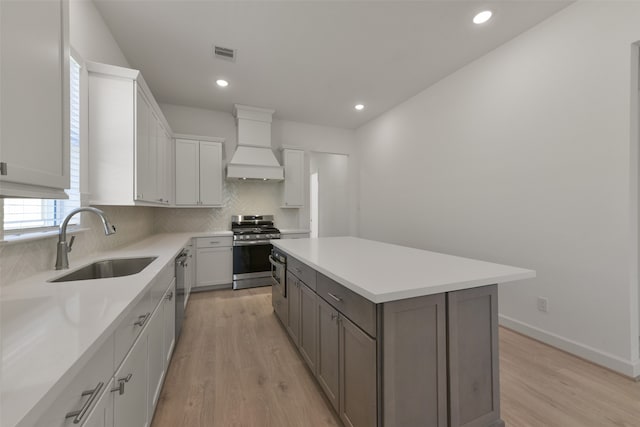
(251, 250)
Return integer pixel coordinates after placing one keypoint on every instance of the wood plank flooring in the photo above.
(235, 366)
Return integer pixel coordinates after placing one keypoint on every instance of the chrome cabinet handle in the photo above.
(79, 414)
(333, 317)
(142, 319)
(338, 299)
(169, 296)
(215, 242)
(121, 383)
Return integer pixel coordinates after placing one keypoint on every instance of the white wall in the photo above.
(309, 137)
(523, 157)
(90, 36)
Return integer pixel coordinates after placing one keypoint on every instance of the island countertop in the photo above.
(383, 272)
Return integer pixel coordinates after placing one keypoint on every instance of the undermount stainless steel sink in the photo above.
(116, 267)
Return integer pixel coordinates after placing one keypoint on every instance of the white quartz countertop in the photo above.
(49, 330)
(383, 272)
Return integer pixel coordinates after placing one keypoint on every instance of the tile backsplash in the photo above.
(20, 260)
(240, 198)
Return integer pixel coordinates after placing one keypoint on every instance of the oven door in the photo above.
(278, 274)
(251, 259)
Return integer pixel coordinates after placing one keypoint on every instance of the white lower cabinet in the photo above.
(156, 356)
(214, 261)
(72, 406)
(102, 413)
(130, 388)
(96, 397)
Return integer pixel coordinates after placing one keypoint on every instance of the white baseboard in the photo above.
(615, 363)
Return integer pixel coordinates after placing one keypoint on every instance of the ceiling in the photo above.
(310, 61)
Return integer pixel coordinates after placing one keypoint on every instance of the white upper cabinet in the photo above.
(34, 98)
(130, 157)
(198, 172)
(293, 187)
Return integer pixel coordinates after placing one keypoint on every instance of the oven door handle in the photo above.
(274, 262)
(251, 243)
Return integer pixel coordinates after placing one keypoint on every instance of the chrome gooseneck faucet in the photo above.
(62, 259)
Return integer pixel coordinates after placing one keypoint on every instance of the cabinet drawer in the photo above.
(83, 393)
(129, 329)
(161, 283)
(302, 271)
(213, 242)
(358, 309)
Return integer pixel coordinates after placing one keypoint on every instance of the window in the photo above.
(33, 214)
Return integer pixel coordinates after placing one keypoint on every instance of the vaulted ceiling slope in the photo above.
(310, 61)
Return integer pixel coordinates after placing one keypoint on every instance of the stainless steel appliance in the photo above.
(278, 262)
(182, 263)
(251, 250)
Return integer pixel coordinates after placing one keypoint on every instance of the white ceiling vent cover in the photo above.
(224, 53)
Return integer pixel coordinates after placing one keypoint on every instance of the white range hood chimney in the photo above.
(254, 158)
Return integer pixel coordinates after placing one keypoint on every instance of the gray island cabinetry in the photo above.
(396, 351)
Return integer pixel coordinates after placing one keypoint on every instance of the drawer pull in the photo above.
(299, 270)
(337, 299)
(121, 383)
(333, 317)
(93, 394)
(142, 319)
(169, 296)
(214, 243)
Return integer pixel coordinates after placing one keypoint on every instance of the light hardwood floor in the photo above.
(235, 366)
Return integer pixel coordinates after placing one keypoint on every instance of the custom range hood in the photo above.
(254, 158)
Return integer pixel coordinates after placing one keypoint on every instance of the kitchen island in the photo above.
(395, 336)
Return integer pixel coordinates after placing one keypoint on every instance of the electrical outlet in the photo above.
(543, 304)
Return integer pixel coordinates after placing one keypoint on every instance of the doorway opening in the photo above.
(313, 205)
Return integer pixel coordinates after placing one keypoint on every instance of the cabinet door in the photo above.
(130, 407)
(162, 169)
(415, 362)
(156, 360)
(293, 178)
(474, 385)
(210, 173)
(187, 172)
(169, 169)
(152, 159)
(214, 266)
(102, 413)
(328, 355)
(358, 372)
(293, 297)
(143, 120)
(308, 326)
(169, 324)
(34, 97)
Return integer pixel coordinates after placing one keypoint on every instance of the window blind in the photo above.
(22, 214)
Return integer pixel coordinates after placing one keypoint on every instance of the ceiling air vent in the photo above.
(224, 53)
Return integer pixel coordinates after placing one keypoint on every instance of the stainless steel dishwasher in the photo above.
(182, 263)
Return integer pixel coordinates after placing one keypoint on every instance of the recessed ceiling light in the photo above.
(359, 107)
(222, 83)
(482, 17)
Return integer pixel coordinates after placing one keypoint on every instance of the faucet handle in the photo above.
(73, 238)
